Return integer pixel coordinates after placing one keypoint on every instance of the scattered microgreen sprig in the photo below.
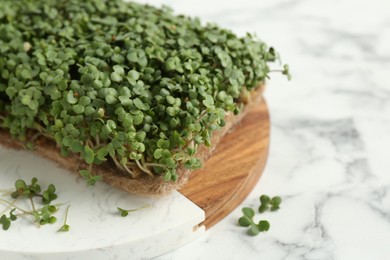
(247, 221)
(122, 83)
(269, 204)
(42, 210)
(248, 214)
(125, 212)
(89, 178)
(6, 221)
(65, 227)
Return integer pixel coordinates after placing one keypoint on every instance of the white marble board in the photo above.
(97, 231)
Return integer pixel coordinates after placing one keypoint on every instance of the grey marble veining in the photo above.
(330, 133)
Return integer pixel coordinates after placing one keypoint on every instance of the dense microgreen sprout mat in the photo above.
(121, 82)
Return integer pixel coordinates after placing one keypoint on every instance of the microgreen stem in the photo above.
(66, 214)
(97, 138)
(32, 204)
(4, 202)
(11, 204)
(129, 171)
(143, 207)
(35, 137)
(118, 164)
(6, 192)
(39, 128)
(143, 168)
(203, 114)
(89, 142)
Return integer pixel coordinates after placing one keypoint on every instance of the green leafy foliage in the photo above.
(120, 82)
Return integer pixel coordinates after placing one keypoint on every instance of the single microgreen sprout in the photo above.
(269, 204)
(247, 221)
(125, 212)
(6, 221)
(91, 179)
(65, 227)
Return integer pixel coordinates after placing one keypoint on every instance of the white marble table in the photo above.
(329, 156)
(330, 136)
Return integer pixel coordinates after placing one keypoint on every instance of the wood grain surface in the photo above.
(234, 168)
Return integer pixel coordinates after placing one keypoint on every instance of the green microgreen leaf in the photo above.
(89, 155)
(20, 184)
(264, 199)
(5, 222)
(12, 217)
(263, 225)
(244, 221)
(71, 97)
(64, 228)
(248, 212)
(263, 208)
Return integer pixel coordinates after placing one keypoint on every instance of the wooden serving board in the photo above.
(234, 168)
